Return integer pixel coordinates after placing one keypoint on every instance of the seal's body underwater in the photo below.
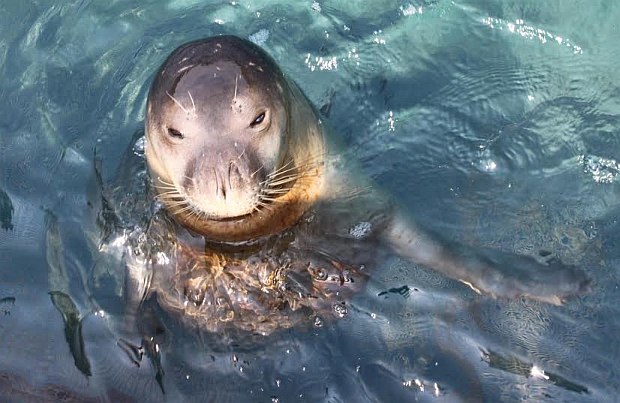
(281, 225)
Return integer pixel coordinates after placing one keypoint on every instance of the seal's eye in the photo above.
(175, 133)
(258, 120)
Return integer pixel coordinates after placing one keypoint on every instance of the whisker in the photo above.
(178, 208)
(283, 181)
(311, 162)
(241, 155)
(192, 99)
(275, 191)
(169, 192)
(276, 175)
(236, 86)
(170, 202)
(164, 183)
(184, 209)
(270, 181)
(161, 196)
(166, 190)
(167, 196)
(283, 177)
(177, 102)
(271, 199)
(178, 203)
(196, 214)
(280, 169)
(254, 173)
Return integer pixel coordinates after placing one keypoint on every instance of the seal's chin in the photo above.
(232, 219)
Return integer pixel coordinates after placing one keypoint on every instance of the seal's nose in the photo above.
(223, 181)
(228, 180)
(224, 184)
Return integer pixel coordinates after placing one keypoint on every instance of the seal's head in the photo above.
(233, 147)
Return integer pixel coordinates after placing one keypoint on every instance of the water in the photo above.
(495, 123)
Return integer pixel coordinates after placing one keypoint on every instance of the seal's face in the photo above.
(218, 135)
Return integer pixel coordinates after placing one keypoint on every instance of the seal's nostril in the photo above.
(233, 171)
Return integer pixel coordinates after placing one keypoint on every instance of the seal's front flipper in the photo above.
(487, 271)
(508, 275)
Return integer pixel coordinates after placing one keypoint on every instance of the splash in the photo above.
(602, 170)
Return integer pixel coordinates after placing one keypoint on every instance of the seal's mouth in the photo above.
(235, 218)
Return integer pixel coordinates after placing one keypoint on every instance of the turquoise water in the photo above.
(495, 123)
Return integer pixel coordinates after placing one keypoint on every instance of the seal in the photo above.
(268, 212)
